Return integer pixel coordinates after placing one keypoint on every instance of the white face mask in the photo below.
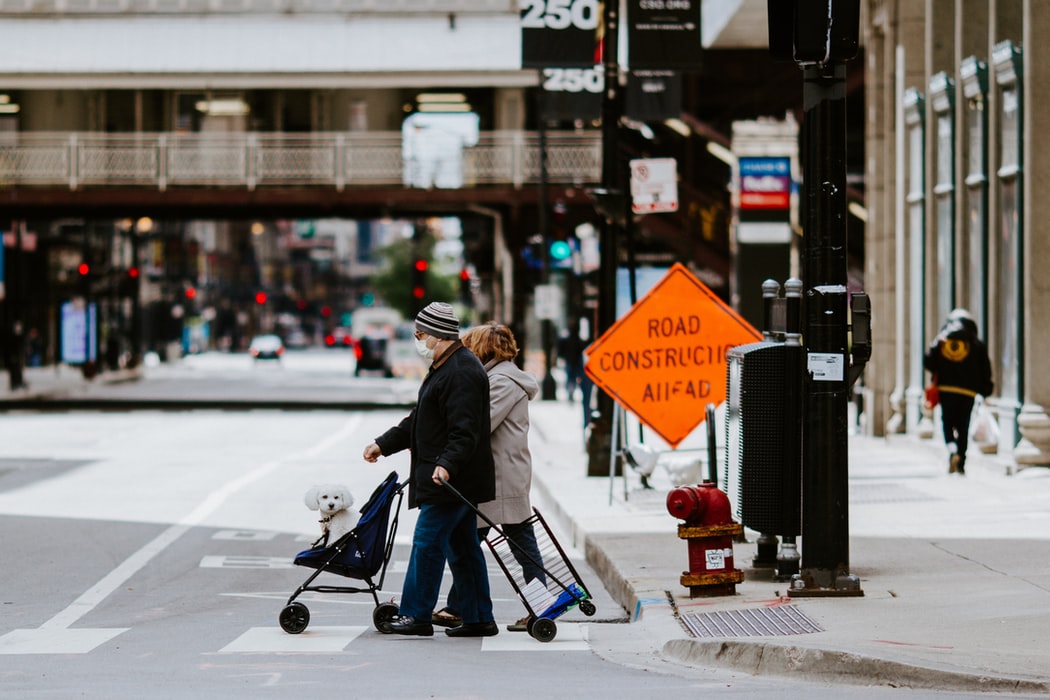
(424, 352)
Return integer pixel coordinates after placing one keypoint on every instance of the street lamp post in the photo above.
(609, 202)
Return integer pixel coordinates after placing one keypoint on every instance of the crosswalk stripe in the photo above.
(273, 639)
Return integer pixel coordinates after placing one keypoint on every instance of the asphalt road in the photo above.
(147, 554)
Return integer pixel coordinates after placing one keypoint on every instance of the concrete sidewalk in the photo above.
(955, 571)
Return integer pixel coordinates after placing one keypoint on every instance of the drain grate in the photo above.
(780, 621)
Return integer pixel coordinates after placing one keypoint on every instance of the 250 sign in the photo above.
(574, 79)
(559, 33)
(559, 14)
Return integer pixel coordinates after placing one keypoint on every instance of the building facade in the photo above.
(955, 143)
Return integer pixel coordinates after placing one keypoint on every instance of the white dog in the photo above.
(336, 505)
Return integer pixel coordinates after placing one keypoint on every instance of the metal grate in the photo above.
(780, 621)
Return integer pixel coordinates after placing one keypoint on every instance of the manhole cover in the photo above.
(780, 621)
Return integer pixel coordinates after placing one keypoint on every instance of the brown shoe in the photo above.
(521, 625)
(955, 464)
(444, 618)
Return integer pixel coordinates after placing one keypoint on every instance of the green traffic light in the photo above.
(560, 250)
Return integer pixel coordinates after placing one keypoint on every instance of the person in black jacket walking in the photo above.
(448, 435)
(960, 366)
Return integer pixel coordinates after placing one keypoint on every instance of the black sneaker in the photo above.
(411, 626)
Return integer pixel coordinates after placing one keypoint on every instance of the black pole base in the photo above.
(843, 586)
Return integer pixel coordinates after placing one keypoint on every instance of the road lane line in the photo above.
(91, 598)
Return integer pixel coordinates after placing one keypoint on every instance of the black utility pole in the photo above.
(825, 435)
(821, 35)
(609, 203)
(549, 386)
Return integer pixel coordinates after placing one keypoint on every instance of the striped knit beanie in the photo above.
(439, 320)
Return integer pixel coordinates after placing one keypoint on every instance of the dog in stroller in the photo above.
(336, 506)
(362, 553)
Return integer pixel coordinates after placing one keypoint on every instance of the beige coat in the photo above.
(510, 390)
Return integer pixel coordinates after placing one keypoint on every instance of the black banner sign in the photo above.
(654, 95)
(663, 34)
(559, 33)
(572, 93)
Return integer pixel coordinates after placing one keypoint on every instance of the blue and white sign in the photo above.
(79, 333)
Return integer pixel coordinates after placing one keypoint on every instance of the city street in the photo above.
(149, 553)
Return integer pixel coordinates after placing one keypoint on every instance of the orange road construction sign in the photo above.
(665, 359)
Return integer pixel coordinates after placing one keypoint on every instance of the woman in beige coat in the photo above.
(510, 390)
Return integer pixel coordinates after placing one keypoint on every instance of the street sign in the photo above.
(559, 33)
(664, 34)
(547, 301)
(665, 359)
(654, 185)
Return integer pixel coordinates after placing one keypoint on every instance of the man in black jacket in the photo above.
(448, 435)
(961, 368)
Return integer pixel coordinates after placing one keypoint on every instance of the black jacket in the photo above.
(449, 426)
(959, 360)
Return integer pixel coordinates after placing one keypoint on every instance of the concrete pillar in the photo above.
(1033, 421)
(879, 379)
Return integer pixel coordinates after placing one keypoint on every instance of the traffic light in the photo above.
(813, 31)
(419, 278)
(83, 269)
(560, 251)
(260, 298)
(466, 294)
(191, 293)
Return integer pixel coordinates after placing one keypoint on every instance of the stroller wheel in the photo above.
(543, 630)
(383, 615)
(294, 618)
(587, 608)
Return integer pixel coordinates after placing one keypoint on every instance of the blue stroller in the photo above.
(360, 554)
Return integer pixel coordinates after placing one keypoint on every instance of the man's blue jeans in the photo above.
(446, 532)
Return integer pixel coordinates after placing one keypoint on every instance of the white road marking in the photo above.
(244, 535)
(56, 632)
(220, 561)
(312, 640)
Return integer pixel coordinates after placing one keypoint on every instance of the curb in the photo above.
(763, 658)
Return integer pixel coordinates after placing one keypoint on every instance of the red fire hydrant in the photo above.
(709, 531)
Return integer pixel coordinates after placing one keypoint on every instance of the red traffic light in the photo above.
(326, 311)
(421, 265)
(260, 297)
(191, 292)
(83, 268)
(464, 274)
(418, 292)
(133, 272)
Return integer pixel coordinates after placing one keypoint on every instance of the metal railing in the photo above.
(250, 160)
(36, 8)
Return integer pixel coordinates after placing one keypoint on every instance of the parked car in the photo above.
(266, 347)
(340, 337)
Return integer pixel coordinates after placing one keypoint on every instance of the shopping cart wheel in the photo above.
(383, 615)
(543, 630)
(587, 608)
(294, 618)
